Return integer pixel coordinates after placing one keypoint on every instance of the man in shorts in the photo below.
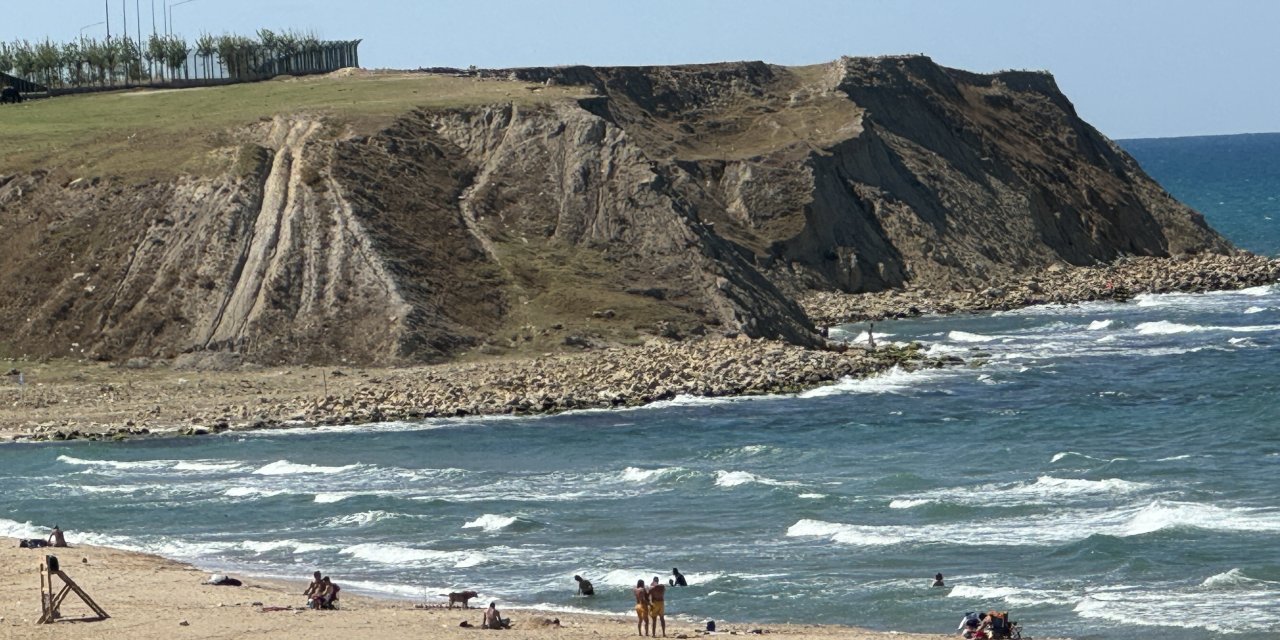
(657, 607)
(642, 608)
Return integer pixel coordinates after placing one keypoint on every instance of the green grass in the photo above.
(154, 134)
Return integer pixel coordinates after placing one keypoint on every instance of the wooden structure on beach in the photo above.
(50, 603)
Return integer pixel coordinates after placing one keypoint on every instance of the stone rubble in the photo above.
(1118, 281)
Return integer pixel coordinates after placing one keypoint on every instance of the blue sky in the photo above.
(1133, 68)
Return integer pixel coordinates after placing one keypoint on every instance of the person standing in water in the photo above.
(584, 586)
(937, 580)
(678, 579)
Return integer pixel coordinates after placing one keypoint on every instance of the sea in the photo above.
(1100, 470)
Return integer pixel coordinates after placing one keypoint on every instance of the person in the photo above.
(657, 607)
(937, 580)
(56, 538)
(642, 608)
(871, 335)
(330, 595)
(584, 586)
(969, 625)
(493, 619)
(678, 580)
(314, 587)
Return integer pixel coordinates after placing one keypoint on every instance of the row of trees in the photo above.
(91, 62)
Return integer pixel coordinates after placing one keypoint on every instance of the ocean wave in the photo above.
(626, 578)
(1184, 607)
(812, 496)
(116, 464)
(245, 492)
(491, 522)
(1048, 530)
(284, 467)
(207, 465)
(1022, 597)
(739, 478)
(332, 497)
(1252, 310)
(965, 336)
(1045, 490)
(1162, 515)
(391, 554)
(636, 474)
(1233, 579)
(895, 380)
(1164, 327)
(361, 519)
(15, 529)
(1099, 324)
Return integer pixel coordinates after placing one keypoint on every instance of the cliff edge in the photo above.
(595, 206)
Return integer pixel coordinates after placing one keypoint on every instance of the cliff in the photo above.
(644, 201)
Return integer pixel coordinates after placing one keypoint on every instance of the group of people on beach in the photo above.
(322, 593)
(651, 601)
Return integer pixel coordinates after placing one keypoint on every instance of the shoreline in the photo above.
(148, 596)
(78, 400)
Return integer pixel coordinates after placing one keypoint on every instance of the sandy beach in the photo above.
(151, 597)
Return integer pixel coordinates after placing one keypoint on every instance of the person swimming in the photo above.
(937, 580)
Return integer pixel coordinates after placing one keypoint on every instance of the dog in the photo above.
(461, 596)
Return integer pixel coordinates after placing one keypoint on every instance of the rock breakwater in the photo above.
(616, 377)
(1117, 281)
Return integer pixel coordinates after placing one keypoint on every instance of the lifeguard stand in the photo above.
(49, 602)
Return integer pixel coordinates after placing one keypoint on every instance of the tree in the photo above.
(206, 47)
(175, 53)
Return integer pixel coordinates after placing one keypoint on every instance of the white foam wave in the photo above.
(1164, 327)
(207, 465)
(1232, 579)
(965, 336)
(908, 503)
(332, 497)
(636, 474)
(812, 496)
(284, 467)
(244, 492)
(1097, 325)
(397, 555)
(361, 519)
(1195, 607)
(491, 522)
(1023, 597)
(1048, 530)
(15, 529)
(1251, 310)
(739, 478)
(895, 380)
(1045, 490)
(115, 464)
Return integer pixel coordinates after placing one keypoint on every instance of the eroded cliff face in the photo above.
(678, 200)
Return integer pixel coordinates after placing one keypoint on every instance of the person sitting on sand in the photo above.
(969, 625)
(657, 607)
(314, 588)
(584, 586)
(937, 580)
(678, 580)
(493, 619)
(642, 608)
(56, 539)
(330, 595)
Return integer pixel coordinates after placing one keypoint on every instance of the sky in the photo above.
(1133, 68)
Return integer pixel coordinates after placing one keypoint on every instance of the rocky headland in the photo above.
(548, 239)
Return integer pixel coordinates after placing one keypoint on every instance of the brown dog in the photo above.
(461, 596)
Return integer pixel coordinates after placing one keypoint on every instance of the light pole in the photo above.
(170, 12)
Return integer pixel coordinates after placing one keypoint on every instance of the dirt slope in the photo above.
(676, 201)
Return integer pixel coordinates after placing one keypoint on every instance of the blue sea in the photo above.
(1108, 471)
